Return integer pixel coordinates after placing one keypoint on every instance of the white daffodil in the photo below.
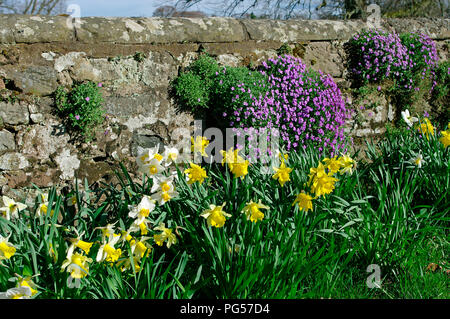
(43, 207)
(165, 235)
(164, 188)
(418, 161)
(125, 264)
(142, 210)
(142, 227)
(408, 118)
(152, 168)
(11, 208)
(107, 251)
(77, 265)
(22, 292)
(146, 156)
(163, 184)
(72, 201)
(171, 155)
(140, 248)
(25, 282)
(107, 230)
(125, 235)
(78, 243)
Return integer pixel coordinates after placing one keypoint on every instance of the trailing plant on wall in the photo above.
(306, 106)
(81, 107)
(408, 61)
(440, 97)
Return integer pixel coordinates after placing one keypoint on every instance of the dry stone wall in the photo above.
(40, 53)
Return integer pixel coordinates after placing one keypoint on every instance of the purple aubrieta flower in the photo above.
(77, 117)
(293, 95)
(88, 99)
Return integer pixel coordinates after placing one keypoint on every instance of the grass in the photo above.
(388, 212)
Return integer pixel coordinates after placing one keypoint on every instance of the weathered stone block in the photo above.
(160, 30)
(301, 30)
(14, 113)
(67, 164)
(143, 139)
(41, 141)
(7, 142)
(325, 57)
(93, 171)
(35, 29)
(38, 80)
(13, 161)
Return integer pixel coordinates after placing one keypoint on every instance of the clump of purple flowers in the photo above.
(407, 59)
(423, 59)
(375, 55)
(306, 106)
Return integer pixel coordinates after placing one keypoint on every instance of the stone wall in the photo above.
(39, 53)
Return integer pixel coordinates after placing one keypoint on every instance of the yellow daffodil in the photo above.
(240, 169)
(77, 265)
(199, 145)
(426, 128)
(252, 211)
(282, 173)
(320, 182)
(195, 174)
(445, 139)
(165, 235)
(7, 250)
(347, 164)
(230, 157)
(142, 210)
(332, 164)
(107, 252)
(304, 201)
(11, 208)
(22, 292)
(281, 156)
(237, 165)
(215, 216)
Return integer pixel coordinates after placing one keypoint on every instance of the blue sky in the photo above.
(119, 8)
(145, 8)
